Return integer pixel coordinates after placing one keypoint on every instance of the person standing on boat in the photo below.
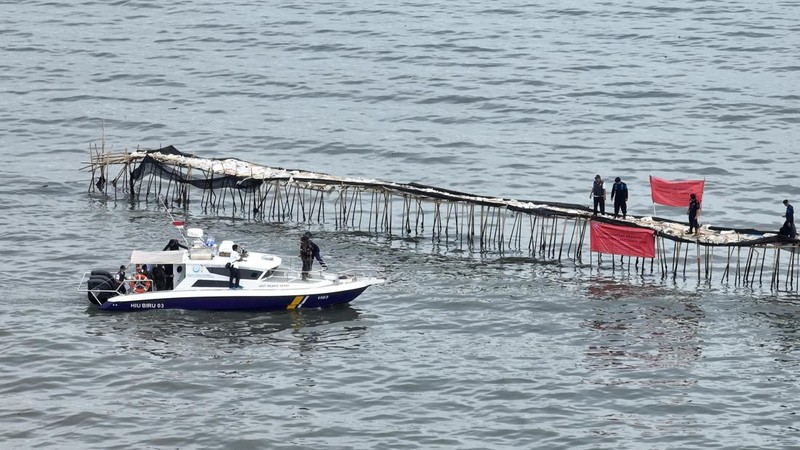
(619, 194)
(169, 270)
(788, 226)
(120, 277)
(160, 277)
(306, 255)
(598, 193)
(694, 207)
(233, 267)
(173, 245)
(309, 251)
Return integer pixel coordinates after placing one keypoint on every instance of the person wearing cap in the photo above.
(121, 280)
(598, 194)
(619, 194)
(788, 228)
(694, 207)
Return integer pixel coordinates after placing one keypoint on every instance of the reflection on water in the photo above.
(642, 327)
(175, 333)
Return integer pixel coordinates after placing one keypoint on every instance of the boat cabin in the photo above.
(202, 265)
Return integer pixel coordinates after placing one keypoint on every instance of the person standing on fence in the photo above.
(598, 194)
(694, 208)
(619, 194)
(788, 228)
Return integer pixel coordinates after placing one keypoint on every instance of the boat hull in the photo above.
(231, 300)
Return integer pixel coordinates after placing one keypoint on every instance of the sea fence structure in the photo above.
(543, 230)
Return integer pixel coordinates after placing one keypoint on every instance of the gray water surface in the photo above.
(457, 350)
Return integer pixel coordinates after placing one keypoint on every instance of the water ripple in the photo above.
(508, 100)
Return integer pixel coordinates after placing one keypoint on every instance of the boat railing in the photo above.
(293, 266)
(83, 288)
(83, 284)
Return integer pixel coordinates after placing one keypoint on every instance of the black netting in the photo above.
(150, 166)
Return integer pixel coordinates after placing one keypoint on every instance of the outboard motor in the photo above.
(102, 286)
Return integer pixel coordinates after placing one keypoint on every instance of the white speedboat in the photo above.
(196, 278)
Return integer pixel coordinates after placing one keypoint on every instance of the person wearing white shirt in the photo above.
(233, 266)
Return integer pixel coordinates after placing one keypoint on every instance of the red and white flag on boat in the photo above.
(620, 240)
(675, 193)
(177, 224)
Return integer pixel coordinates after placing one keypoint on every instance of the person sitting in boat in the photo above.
(141, 281)
(144, 270)
(173, 245)
(233, 267)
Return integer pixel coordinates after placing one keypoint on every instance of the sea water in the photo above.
(458, 349)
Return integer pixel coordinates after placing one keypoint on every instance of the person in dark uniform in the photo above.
(598, 194)
(306, 255)
(315, 251)
(160, 277)
(788, 228)
(173, 244)
(694, 207)
(619, 194)
(169, 269)
(120, 277)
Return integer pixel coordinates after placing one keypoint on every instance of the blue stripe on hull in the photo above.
(231, 303)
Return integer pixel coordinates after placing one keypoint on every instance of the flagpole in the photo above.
(175, 222)
(652, 199)
(700, 212)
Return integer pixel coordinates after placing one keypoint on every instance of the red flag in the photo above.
(620, 240)
(177, 224)
(675, 193)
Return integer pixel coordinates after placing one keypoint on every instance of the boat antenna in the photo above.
(177, 224)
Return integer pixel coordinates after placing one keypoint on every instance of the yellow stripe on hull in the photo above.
(295, 302)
